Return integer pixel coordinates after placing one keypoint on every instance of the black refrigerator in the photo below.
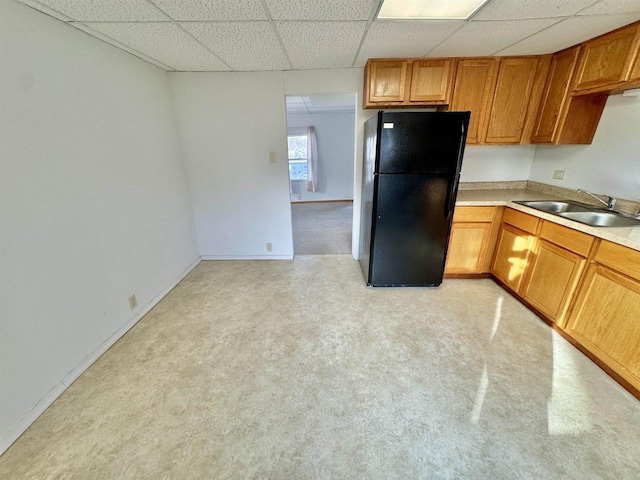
(411, 172)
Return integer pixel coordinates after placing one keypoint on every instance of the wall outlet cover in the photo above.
(558, 174)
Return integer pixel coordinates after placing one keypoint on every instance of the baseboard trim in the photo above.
(321, 201)
(38, 409)
(247, 257)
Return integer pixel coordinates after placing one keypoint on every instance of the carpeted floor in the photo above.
(322, 228)
(296, 370)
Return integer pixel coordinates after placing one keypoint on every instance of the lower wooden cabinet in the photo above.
(606, 316)
(515, 244)
(555, 269)
(552, 279)
(472, 240)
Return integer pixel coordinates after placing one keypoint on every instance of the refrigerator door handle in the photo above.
(451, 202)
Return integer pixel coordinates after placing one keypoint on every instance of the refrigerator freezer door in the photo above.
(411, 230)
(421, 142)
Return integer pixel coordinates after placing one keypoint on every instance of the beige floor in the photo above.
(295, 370)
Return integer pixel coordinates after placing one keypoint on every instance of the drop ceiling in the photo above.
(253, 35)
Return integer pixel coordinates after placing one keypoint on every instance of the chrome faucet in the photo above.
(610, 203)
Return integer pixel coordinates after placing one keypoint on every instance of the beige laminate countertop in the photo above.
(627, 236)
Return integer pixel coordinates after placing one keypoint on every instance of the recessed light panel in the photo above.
(429, 9)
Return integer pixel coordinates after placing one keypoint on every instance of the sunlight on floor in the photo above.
(482, 392)
(568, 406)
(496, 318)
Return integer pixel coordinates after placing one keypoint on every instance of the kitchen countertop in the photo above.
(627, 236)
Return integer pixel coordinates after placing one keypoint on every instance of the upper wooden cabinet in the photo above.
(564, 118)
(386, 81)
(606, 61)
(511, 99)
(431, 81)
(473, 91)
(408, 82)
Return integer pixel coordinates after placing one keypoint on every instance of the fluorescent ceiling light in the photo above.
(429, 9)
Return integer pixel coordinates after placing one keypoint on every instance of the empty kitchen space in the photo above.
(295, 369)
(161, 318)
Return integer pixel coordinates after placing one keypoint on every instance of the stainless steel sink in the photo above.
(557, 206)
(602, 219)
(583, 213)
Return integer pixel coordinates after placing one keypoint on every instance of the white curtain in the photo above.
(312, 160)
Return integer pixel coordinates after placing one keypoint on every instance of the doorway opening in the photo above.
(321, 145)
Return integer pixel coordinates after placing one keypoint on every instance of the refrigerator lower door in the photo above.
(411, 230)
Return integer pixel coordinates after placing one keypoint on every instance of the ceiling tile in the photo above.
(242, 45)
(165, 42)
(567, 33)
(487, 38)
(519, 9)
(321, 44)
(104, 38)
(203, 10)
(106, 10)
(612, 7)
(43, 8)
(403, 39)
(320, 10)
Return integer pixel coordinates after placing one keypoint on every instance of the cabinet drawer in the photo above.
(523, 221)
(622, 259)
(568, 238)
(474, 214)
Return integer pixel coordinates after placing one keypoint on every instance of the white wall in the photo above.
(610, 165)
(228, 123)
(335, 134)
(94, 204)
(497, 164)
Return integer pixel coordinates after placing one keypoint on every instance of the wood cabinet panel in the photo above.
(472, 240)
(521, 220)
(473, 91)
(467, 247)
(619, 258)
(551, 279)
(387, 81)
(474, 214)
(511, 100)
(556, 96)
(511, 256)
(607, 60)
(605, 320)
(566, 237)
(431, 81)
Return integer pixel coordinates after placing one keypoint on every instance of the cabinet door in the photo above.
(605, 320)
(635, 72)
(386, 81)
(606, 60)
(511, 100)
(551, 279)
(473, 91)
(468, 247)
(431, 81)
(555, 96)
(512, 254)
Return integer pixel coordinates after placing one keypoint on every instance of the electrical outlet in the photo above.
(558, 174)
(133, 302)
(272, 157)
(269, 247)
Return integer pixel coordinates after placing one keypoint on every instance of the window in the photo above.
(297, 156)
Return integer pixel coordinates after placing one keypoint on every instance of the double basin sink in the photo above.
(580, 212)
